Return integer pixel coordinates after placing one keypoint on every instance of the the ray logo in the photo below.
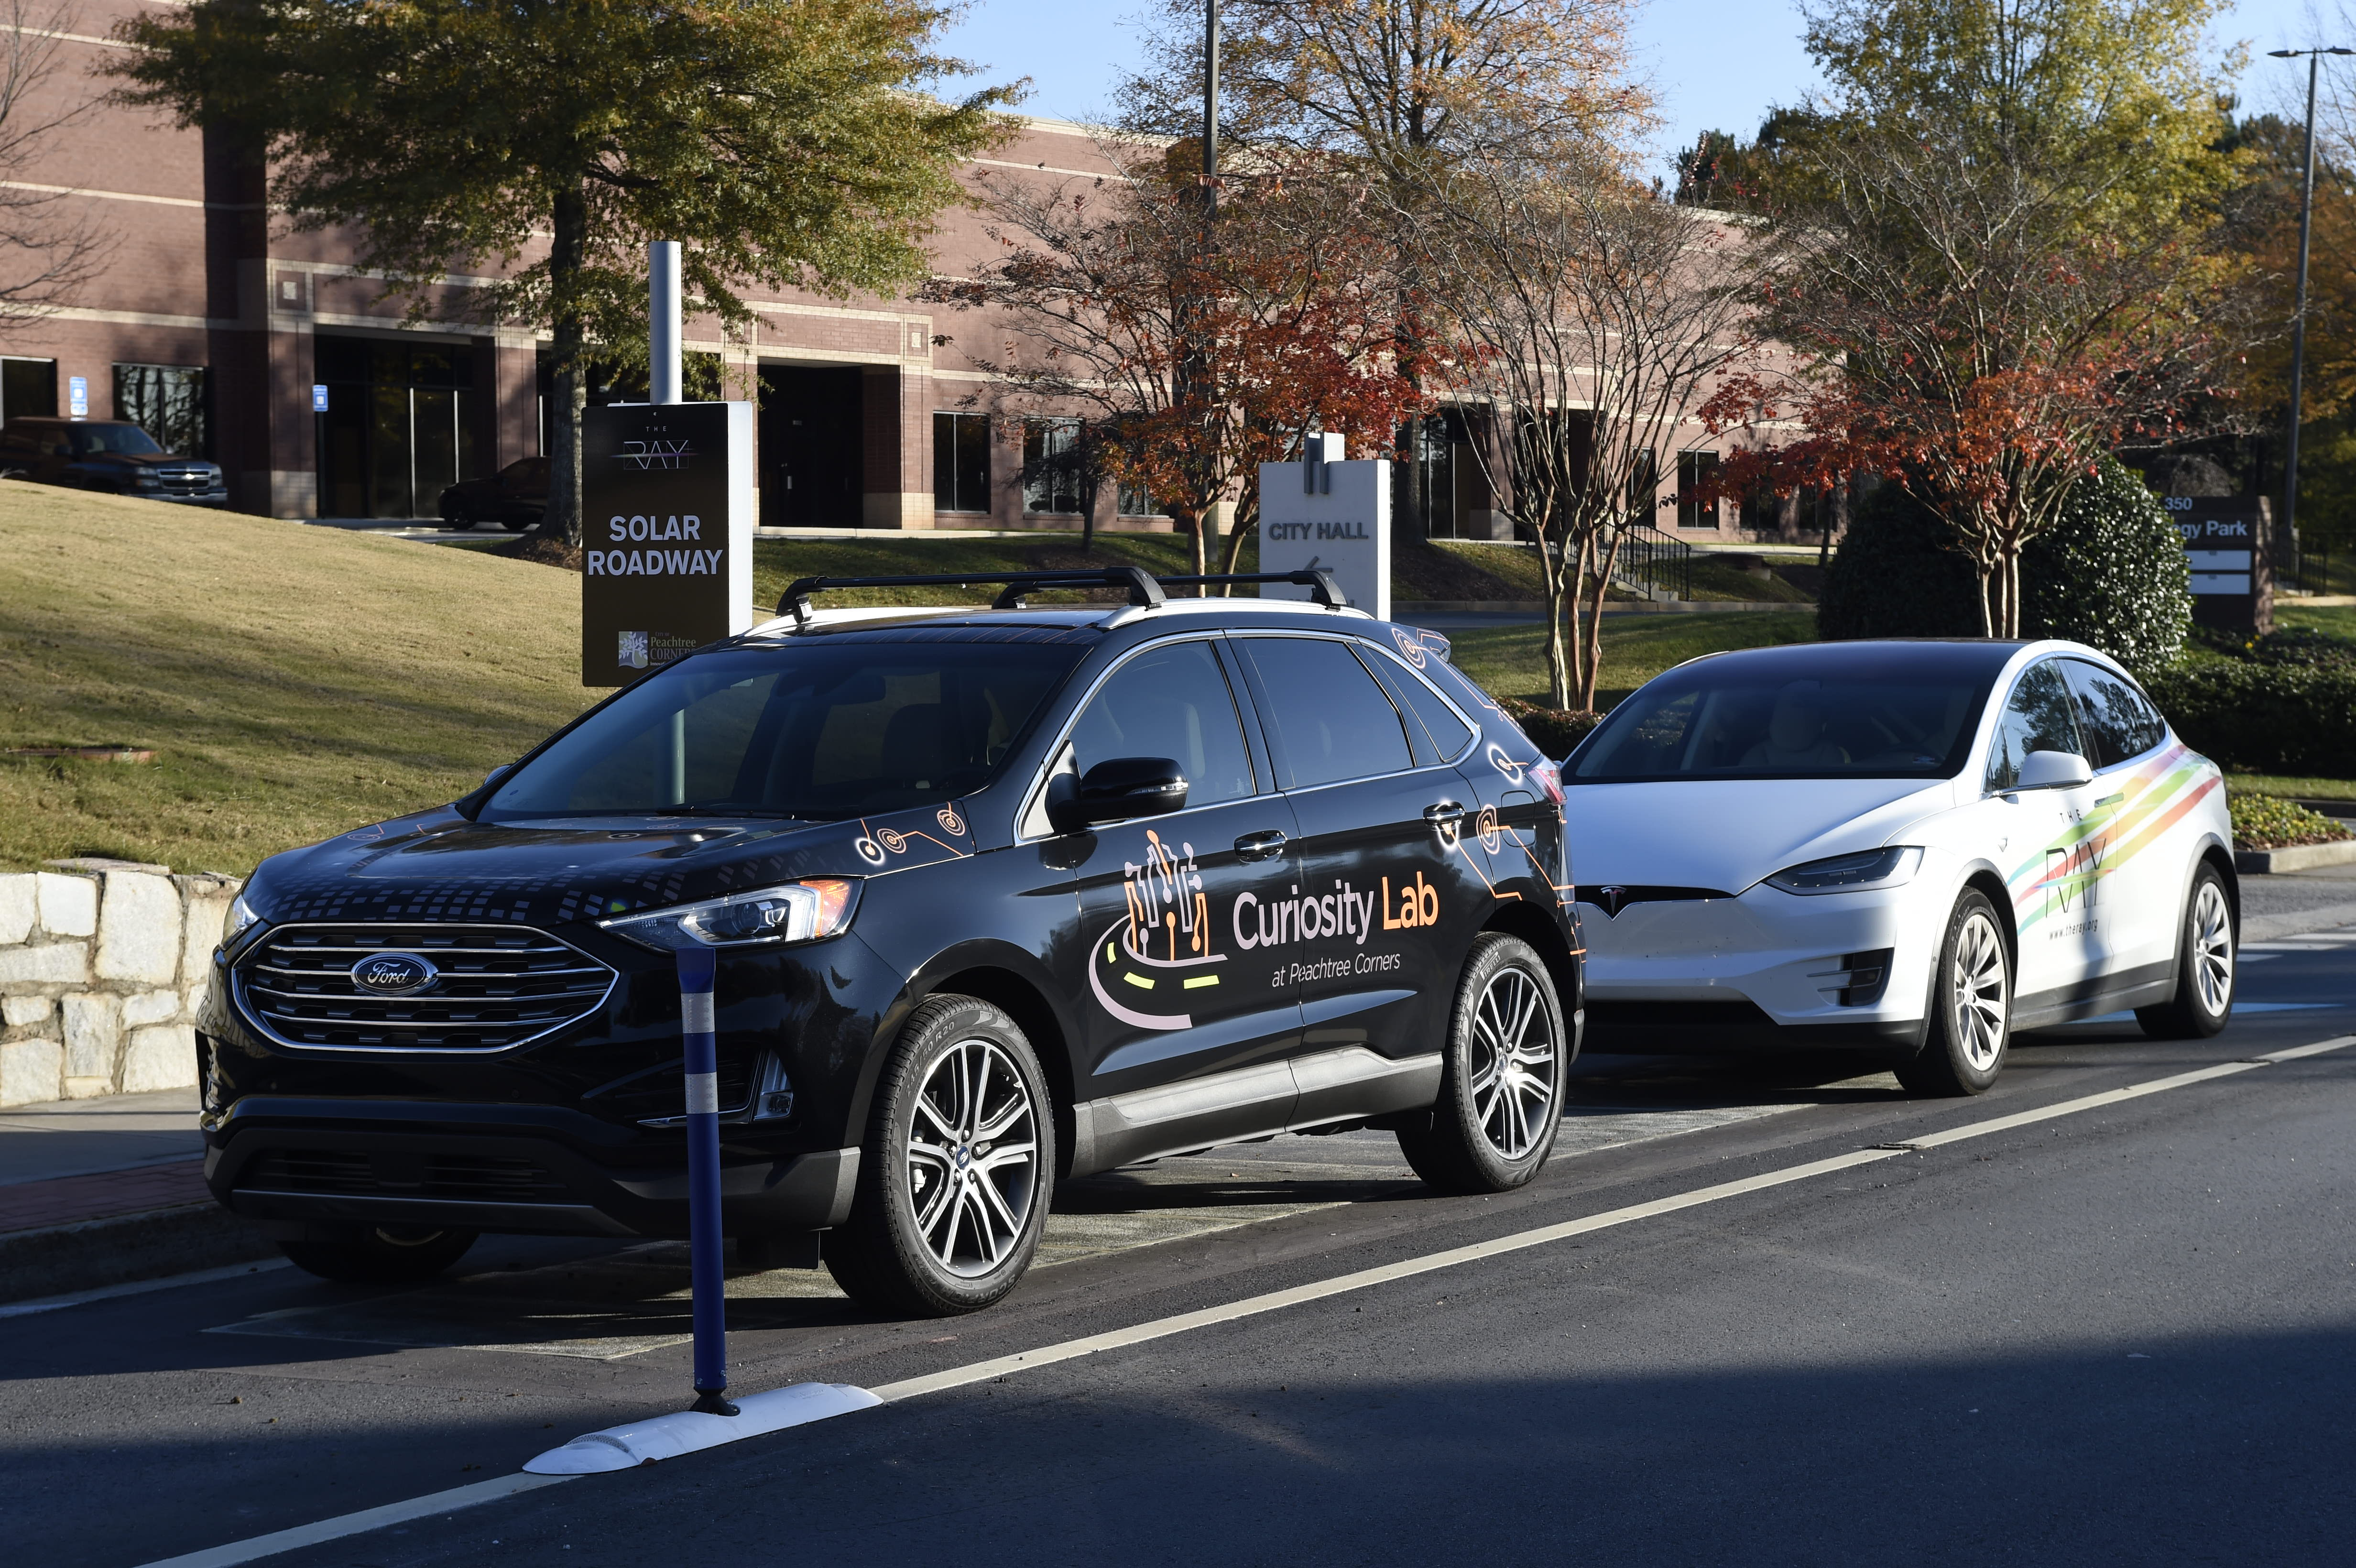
(2073, 873)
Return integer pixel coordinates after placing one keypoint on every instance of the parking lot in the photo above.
(1749, 1328)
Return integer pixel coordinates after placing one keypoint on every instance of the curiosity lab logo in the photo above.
(1148, 963)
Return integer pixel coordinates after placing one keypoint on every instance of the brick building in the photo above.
(225, 334)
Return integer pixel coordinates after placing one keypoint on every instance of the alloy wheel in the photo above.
(2212, 947)
(972, 1158)
(1513, 1076)
(1980, 1013)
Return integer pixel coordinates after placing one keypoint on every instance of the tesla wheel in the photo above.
(1501, 1082)
(1971, 1006)
(958, 1169)
(383, 1254)
(2204, 966)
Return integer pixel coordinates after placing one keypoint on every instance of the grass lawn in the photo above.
(2337, 620)
(1511, 660)
(293, 682)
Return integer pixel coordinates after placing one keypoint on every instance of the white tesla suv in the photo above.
(1912, 846)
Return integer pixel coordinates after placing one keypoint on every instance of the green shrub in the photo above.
(1894, 577)
(1553, 730)
(2110, 574)
(2304, 645)
(2271, 719)
(2269, 822)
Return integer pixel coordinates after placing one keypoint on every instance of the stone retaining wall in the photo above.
(103, 965)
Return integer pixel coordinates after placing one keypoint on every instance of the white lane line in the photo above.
(336, 1529)
(238, 1552)
(141, 1286)
(1407, 1268)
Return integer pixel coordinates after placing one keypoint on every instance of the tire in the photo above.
(946, 1218)
(1501, 1079)
(456, 518)
(383, 1254)
(516, 524)
(1970, 1030)
(2208, 947)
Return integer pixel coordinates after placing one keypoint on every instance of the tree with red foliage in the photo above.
(2002, 260)
(1198, 354)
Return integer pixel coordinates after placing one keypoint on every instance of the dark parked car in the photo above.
(514, 497)
(112, 455)
(999, 897)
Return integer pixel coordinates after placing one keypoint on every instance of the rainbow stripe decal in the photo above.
(2064, 876)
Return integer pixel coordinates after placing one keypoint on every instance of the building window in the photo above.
(1136, 501)
(28, 389)
(1645, 486)
(1427, 482)
(961, 463)
(169, 402)
(398, 427)
(1051, 466)
(1695, 469)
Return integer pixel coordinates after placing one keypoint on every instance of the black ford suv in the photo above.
(998, 897)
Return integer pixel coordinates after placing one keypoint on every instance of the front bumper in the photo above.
(300, 1166)
(1762, 969)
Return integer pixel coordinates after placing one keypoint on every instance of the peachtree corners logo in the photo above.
(642, 650)
(1161, 948)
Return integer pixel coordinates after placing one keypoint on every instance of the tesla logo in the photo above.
(1612, 901)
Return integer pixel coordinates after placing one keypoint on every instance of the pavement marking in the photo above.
(237, 1552)
(336, 1529)
(141, 1286)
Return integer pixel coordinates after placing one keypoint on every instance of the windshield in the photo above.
(823, 728)
(1886, 714)
(127, 439)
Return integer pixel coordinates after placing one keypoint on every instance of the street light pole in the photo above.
(2298, 320)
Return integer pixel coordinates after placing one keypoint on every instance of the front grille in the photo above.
(345, 1173)
(187, 481)
(497, 986)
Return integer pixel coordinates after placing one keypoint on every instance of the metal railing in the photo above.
(1655, 562)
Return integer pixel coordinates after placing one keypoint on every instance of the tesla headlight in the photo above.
(797, 911)
(1865, 870)
(242, 917)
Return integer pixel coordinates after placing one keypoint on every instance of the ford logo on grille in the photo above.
(392, 973)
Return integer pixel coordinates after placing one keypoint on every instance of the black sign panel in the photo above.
(2225, 543)
(666, 533)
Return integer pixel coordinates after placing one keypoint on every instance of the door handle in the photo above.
(1442, 811)
(1260, 845)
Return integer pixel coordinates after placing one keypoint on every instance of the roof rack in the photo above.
(1144, 590)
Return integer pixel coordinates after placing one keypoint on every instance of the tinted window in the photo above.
(127, 439)
(824, 728)
(1777, 718)
(2116, 720)
(2037, 718)
(1448, 733)
(1172, 702)
(1332, 721)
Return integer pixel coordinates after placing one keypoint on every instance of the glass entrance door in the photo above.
(397, 428)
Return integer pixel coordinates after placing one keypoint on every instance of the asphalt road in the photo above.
(2121, 1335)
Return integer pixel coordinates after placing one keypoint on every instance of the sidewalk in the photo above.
(96, 1192)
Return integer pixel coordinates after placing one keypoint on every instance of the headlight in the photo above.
(241, 916)
(1855, 873)
(798, 911)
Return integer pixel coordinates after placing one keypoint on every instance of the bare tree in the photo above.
(49, 246)
(1588, 318)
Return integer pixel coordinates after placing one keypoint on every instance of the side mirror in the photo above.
(1129, 786)
(2053, 770)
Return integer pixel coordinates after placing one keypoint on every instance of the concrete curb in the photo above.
(2297, 858)
(124, 1247)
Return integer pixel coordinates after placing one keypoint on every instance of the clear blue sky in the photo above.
(1714, 63)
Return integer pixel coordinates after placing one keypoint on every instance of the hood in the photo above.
(149, 460)
(439, 865)
(1727, 834)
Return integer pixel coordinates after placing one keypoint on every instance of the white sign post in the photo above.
(1326, 512)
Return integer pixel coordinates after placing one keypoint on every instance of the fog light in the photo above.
(774, 1100)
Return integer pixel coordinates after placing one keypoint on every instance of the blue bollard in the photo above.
(698, 1033)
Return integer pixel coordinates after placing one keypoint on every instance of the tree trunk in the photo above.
(1552, 568)
(1234, 552)
(561, 522)
(1595, 624)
